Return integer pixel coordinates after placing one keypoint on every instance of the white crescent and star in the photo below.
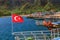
(15, 18)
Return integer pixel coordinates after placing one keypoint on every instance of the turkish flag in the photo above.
(17, 18)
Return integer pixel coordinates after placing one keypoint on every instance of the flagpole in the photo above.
(11, 24)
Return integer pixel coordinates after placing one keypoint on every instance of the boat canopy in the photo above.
(57, 38)
(56, 23)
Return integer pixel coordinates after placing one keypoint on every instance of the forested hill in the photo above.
(21, 2)
(27, 6)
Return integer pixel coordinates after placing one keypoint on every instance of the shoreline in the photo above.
(20, 15)
(25, 15)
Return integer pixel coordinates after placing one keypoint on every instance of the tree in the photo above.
(48, 6)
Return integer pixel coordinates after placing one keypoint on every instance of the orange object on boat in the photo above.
(50, 24)
(45, 23)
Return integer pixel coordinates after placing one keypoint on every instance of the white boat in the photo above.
(37, 35)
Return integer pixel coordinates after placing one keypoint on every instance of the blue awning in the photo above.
(54, 23)
(58, 38)
(58, 22)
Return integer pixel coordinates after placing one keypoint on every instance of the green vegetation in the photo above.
(29, 38)
(27, 8)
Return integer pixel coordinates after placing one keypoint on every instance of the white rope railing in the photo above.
(37, 35)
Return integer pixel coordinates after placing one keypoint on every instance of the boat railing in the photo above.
(37, 35)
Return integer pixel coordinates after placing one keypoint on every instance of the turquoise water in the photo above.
(27, 25)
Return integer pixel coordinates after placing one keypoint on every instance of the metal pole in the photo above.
(58, 31)
(17, 38)
(44, 36)
(54, 32)
(11, 23)
(51, 34)
(23, 35)
(33, 35)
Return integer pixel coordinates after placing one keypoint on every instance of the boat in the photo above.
(36, 18)
(51, 25)
(55, 21)
(56, 24)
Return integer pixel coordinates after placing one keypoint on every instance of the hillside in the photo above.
(27, 6)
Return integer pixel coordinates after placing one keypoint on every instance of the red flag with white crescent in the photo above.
(17, 18)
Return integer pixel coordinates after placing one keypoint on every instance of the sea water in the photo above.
(27, 25)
